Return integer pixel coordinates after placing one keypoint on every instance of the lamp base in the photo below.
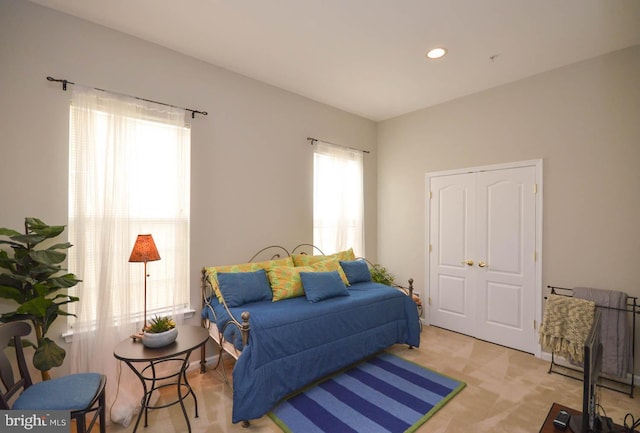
(137, 336)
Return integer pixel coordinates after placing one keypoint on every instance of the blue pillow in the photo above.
(239, 288)
(357, 271)
(322, 285)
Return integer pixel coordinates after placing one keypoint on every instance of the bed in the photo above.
(286, 341)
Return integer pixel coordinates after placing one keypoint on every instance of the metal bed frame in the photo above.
(276, 252)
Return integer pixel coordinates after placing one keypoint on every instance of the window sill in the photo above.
(68, 334)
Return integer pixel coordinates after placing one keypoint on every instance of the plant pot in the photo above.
(159, 339)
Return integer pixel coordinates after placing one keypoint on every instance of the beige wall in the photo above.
(583, 120)
(251, 162)
(251, 166)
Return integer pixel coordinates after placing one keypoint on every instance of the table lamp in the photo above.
(144, 250)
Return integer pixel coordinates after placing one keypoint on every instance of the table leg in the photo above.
(193, 394)
(145, 398)
(181, 381)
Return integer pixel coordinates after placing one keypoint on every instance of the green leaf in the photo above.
(39, 227)
(32, 239)
(11, 243)
(67, 300)
(43, 290)
(47, 257)
(42, 271)
(7, 292)
(63, 281)
(36, 307)
(63, 246)
(34, 222)
(6, 262)
(28, 343)
(48, 355)
(65, 313)
(15, 281)
(8, 232)
(12, 316)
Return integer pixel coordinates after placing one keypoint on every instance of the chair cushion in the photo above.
(73, 392)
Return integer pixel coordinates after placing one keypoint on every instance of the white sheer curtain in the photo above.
(129, 174)
(338, 199)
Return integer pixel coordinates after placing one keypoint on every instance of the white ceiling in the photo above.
(368, 56)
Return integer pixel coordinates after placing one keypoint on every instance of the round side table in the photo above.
(135, 355)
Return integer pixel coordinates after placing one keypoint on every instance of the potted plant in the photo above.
(380, 274)
(160, 331)
(31, 275)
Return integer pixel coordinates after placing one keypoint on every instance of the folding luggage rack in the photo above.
(608, 382)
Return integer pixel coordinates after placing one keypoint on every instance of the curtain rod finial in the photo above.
(64, 82)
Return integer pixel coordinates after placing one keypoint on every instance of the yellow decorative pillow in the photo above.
(306, 259)
(331, 264)
(286, 283)
(212, 272)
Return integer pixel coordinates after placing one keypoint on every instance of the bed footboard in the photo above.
(242, 325)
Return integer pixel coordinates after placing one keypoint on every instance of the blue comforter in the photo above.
(294, 342)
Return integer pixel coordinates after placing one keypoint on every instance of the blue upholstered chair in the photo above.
(80, 394)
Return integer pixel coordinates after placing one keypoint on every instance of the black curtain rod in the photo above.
(193, 112)
(313, 141)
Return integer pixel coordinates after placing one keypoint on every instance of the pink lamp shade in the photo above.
(144, 250)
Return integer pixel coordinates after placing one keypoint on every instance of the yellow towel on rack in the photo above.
(566, 325)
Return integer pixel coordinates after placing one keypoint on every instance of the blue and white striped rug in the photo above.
(383, 394)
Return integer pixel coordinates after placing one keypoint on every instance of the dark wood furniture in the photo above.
(177, 354)
(77, 395)
(548, 426)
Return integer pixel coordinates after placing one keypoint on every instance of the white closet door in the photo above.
(452, 279)
(505, 247)
(482, 272)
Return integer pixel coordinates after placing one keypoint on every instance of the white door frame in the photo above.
(537, 163)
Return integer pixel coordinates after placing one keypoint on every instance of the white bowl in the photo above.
(160, 339)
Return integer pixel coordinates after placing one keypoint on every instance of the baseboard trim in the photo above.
(546, 356)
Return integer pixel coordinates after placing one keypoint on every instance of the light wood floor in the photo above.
(507, 391)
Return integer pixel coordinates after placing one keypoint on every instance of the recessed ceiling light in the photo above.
(436, 53)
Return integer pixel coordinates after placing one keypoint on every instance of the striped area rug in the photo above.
(383, 394)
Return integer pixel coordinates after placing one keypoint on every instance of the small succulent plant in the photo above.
(160, 324)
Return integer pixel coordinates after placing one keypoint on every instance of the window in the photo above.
(338, 203)
(129, 174)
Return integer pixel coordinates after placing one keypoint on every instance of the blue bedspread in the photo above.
(294, 342)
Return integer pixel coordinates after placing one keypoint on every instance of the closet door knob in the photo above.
(482, 264)
(467, 262)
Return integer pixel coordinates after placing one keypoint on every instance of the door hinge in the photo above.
(534, 325)
(430, 195)
(535, 188)
(430, 248)
(429, 300)
(535, 256)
